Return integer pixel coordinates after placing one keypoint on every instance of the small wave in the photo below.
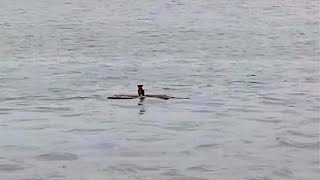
(171, 172)
(169, 88)
(187, 31)
(203, 111)
(72, 115)
(207, 146)
(273, 99)
(260, 178)
(10, 167)
(246, 141)
(106, 146)
(41, 127)
(19, 148)
(67, 98)
(315, 162)
(186, 178)
(131, 168)
(249, 82)
(180, 128)
(182, 85)
(85, 130)
(255, 82)
(238, 81)
(57, 157)
(149, 125)
(288, 111)
(31, 97)
(6, 109)
(144, 19)
(283, 173)
(290, 143)
(296, 133)
(147, 139)
(266, 120)
(245, 110)
(274, 103)
(201, 168)
(51, 109)
(56, 176)
(136, 154)
(29, 119)
(121, 169)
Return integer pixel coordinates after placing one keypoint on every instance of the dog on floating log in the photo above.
(141, 94)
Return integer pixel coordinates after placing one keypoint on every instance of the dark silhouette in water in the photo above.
(140, 90)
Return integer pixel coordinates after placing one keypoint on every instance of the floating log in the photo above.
(165, 97)
(120, 97)
(132, 96)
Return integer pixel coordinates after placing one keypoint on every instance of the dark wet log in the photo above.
(123, 96)
(132, 96)
(120, 97)
(165, 97)
(126, 95)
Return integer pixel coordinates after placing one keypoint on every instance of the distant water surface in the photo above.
(250, 68)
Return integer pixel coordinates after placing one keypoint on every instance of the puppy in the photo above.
(140, 90)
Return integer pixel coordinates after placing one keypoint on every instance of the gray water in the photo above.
(250, 68)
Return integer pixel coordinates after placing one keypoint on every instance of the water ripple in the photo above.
(200, 168)
(303, 145)
(85, 130)
(10, 167)
(52, 109)
(284, 172)
(301, 134)
(57, 157)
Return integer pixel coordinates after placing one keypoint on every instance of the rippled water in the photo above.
(250, 68)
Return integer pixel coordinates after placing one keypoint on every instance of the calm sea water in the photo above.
(250, 68)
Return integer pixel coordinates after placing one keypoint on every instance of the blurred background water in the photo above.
(250, 68)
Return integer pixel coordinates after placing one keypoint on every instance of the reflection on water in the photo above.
(141, 104)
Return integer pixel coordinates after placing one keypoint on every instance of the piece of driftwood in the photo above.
(132, 96)
(120, 97)
(165, 97)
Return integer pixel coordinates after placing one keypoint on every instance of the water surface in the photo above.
(250, 68)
